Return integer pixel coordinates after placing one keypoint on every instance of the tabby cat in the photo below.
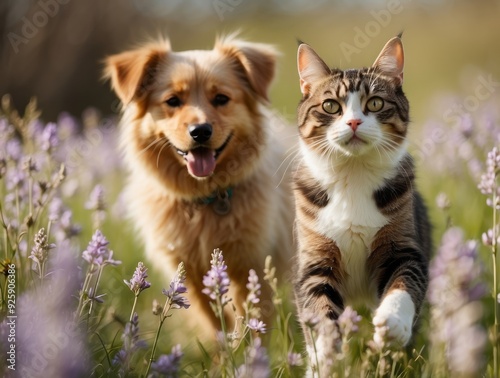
(362, 229)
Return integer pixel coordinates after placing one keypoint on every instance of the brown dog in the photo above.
(204, 162)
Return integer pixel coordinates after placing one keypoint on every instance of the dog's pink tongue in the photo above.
(201, 162)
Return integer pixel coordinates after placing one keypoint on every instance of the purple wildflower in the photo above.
(177, 288)
(442, 201)
(97, 252)
(256, 362)
(157, 307)
(167, 365)
(348, 321)
(49, 139)
(15, 178)
(257, 325)
(310, 319)
(295, 359)
(488, 236)
(96, 199)
(488, 184)
(41, 248)
(62, 219)
(46, 314)
(253, 287)
(29, 164)
(14, 149)
(131, 343)
(138, 281)
(455, 292)
(98, 205)
(3, 167)
(216, 281)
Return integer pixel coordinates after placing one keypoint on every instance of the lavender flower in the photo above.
(256, 362)
(488, 184)
(138, 282)
(455, 291)
(295, 359)
(49, 139)
(41, 248)
(310, 319)
(98, 205)
(442, 201)
(257, 325)
(97, 253)
(348, 321)
(14, 149)
(62, 220)
(253, 287)
(167, 365)
(216, 281)
(488, 236)
(177, 288)
(131, 343)
(49, 332)
(96, 199)
(453, 147)
(157, 307)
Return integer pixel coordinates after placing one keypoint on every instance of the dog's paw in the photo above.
(393, 319)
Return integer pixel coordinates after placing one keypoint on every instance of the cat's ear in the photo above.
(311, 68)
(391, 59)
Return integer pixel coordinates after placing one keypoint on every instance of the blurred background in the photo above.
(53, 49)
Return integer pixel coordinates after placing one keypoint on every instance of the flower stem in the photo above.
(163, 316)
(495, 287)
(82, 293)
(133, 308)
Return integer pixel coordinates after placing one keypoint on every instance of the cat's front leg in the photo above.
(402, 279)
(393, 319)
(319, 305)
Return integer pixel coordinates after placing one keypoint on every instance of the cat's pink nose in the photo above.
(354, 123)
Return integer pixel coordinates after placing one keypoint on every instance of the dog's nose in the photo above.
(201, 132)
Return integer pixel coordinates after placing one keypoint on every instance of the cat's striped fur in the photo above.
(362, 230)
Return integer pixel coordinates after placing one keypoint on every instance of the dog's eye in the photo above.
(174, 102)
(220, 100)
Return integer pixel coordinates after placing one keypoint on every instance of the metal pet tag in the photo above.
(222, 205)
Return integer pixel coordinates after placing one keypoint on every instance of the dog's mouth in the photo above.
(201, 160)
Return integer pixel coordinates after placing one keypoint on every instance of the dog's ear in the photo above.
(256, 62)
(133, 72)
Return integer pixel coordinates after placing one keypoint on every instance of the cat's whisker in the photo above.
(295, 154)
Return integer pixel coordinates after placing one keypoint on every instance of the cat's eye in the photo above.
(375, 104)
(331, 106)
(174, 102)
(220, 100)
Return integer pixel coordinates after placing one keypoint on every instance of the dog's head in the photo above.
(193, 110)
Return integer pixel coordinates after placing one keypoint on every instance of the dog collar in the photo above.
(220, 200)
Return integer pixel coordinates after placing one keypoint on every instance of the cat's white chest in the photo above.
(352, 220)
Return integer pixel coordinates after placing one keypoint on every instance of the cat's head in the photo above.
(354, 112)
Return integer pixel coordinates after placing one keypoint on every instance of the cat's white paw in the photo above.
(393, 319)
